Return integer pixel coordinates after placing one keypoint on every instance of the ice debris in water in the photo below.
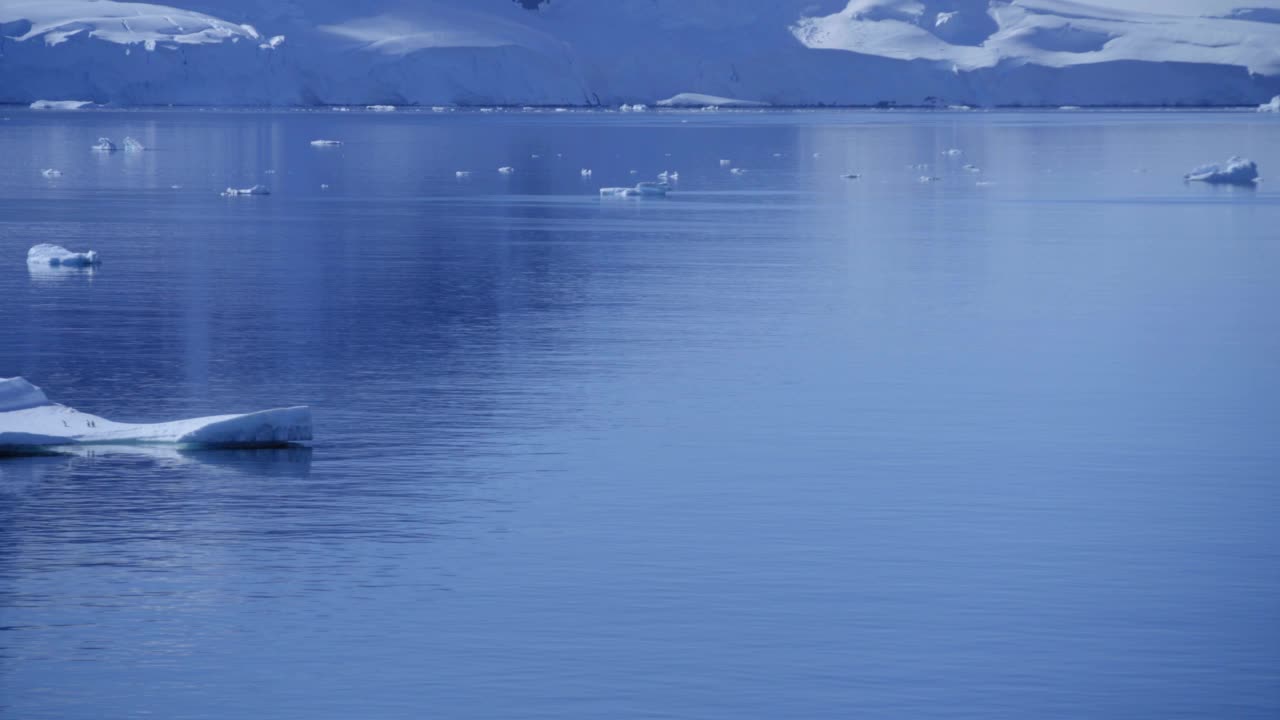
(506, 169)
(738, 171)
(638, 107)
(326, 143)
(969, 167)
(929, 178)
(30, 421)
(131, 145)
(669, 176)
(851, 176)
(1238, 171)
(324, 186)
(644, 189)
(47, 255)
(238, 192)
(60, 104)
(105, 145)
(51, 173)
(1271, 107)
(462, 174)
(953, 152)
(586, 172)
(726, 163)
(380, 108)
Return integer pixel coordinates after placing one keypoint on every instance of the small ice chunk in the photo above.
(669, 176)
(970, 167)
(131, 145)
(380, 108)
(638, 107)
(1069, 107)
(633, 172)
(726, 163)
(275, 42)
(239, 192)
(618, 192)
(104, 145)
(340, 108)
(586, 172)
(535, 156)
(953, 152)
(462, 174)
(60, 104)
(51, 173)
(562, 110)
(506, 169)
(817, 155)
(929, 178)
(326, 143)
(851, 176)
(738, 171)
(440, 108)
(1238, 171)
(644, 189)
(1271, 107)
(47, 255)
(175, 187)
(777, 155)
(324, 186)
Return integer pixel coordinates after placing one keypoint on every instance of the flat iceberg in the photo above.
(1238, 171)
(131, 145)
(326, 143)
(238, 192)
(506, 169)
(30, 422)
(1271, 107)
(104, 145)
(699, 100)
(47, 255)
(60, 104)
(381, 108)
(644, 189)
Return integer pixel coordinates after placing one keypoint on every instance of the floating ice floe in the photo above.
(104, 145)
(131, 145)
(737, 171)
(851, 176)
(462, 174)
(274, 42)
(644, 189)
(586, 172)
(699, 100)
(669, 176)
(29, 422)
(240, 192)
(1070, 107)
(953, 152)
(726, 163)
(506, 169)
(1271, 107)
(51, 173)
(638, 107)
(49, 255)
(777, 155)
(60, 104)
(324, 186)
(326, 143)
(535, 156)
(340, 108)
(929, 178)
(970, 167)
(380, 108)
(633, 172)
(1238, 171)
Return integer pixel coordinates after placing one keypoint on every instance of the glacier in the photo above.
(383, 54)
(29, 422)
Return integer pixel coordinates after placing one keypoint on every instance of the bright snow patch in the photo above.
(698, 100)
(29, 421)
(47, 255)
(1238, 171)
(60, 104)
(237, 192)
(326, 143)
(104, 145)
(1271, 107)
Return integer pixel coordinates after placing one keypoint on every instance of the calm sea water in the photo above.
(1002, 445)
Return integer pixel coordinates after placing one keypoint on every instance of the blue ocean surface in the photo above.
(1003, 444)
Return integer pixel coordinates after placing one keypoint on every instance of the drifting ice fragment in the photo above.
(644, 189)
(29, 422)
(131, 145)
(104, 145)
(462, 174)
(324, 186)
(953, 152)
(51, 173)
(969, 167)
(1271, 107)
(738, 171)
(380, 108)
(726, 163)
(326, 143)
(60, 104)
(506, 170)
(238, 192)
(929, 178)
(669, 176)
(1238, 171)
(851, 176)
(48, 255)
(586, 172)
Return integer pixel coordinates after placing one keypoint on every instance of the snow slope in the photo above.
(29, 420)
(780, 52)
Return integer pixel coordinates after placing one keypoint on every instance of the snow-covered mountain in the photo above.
(784, 52)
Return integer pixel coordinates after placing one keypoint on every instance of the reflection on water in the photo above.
(781, 445)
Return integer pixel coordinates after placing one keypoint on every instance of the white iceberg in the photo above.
(462, 174)
(586, 172)
(60, 104)
(104, 145)
(953, 152)
(131, 145)
(699, 100)
(1238, 171)
(506, 169)
(326, 143)
(30, 422)
(638, 107)
(737, 171)
(48, 255)
(644, 189)
(1271, 107)
(381, 108)
(51, 173)
(669, 176)
(238, 192)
